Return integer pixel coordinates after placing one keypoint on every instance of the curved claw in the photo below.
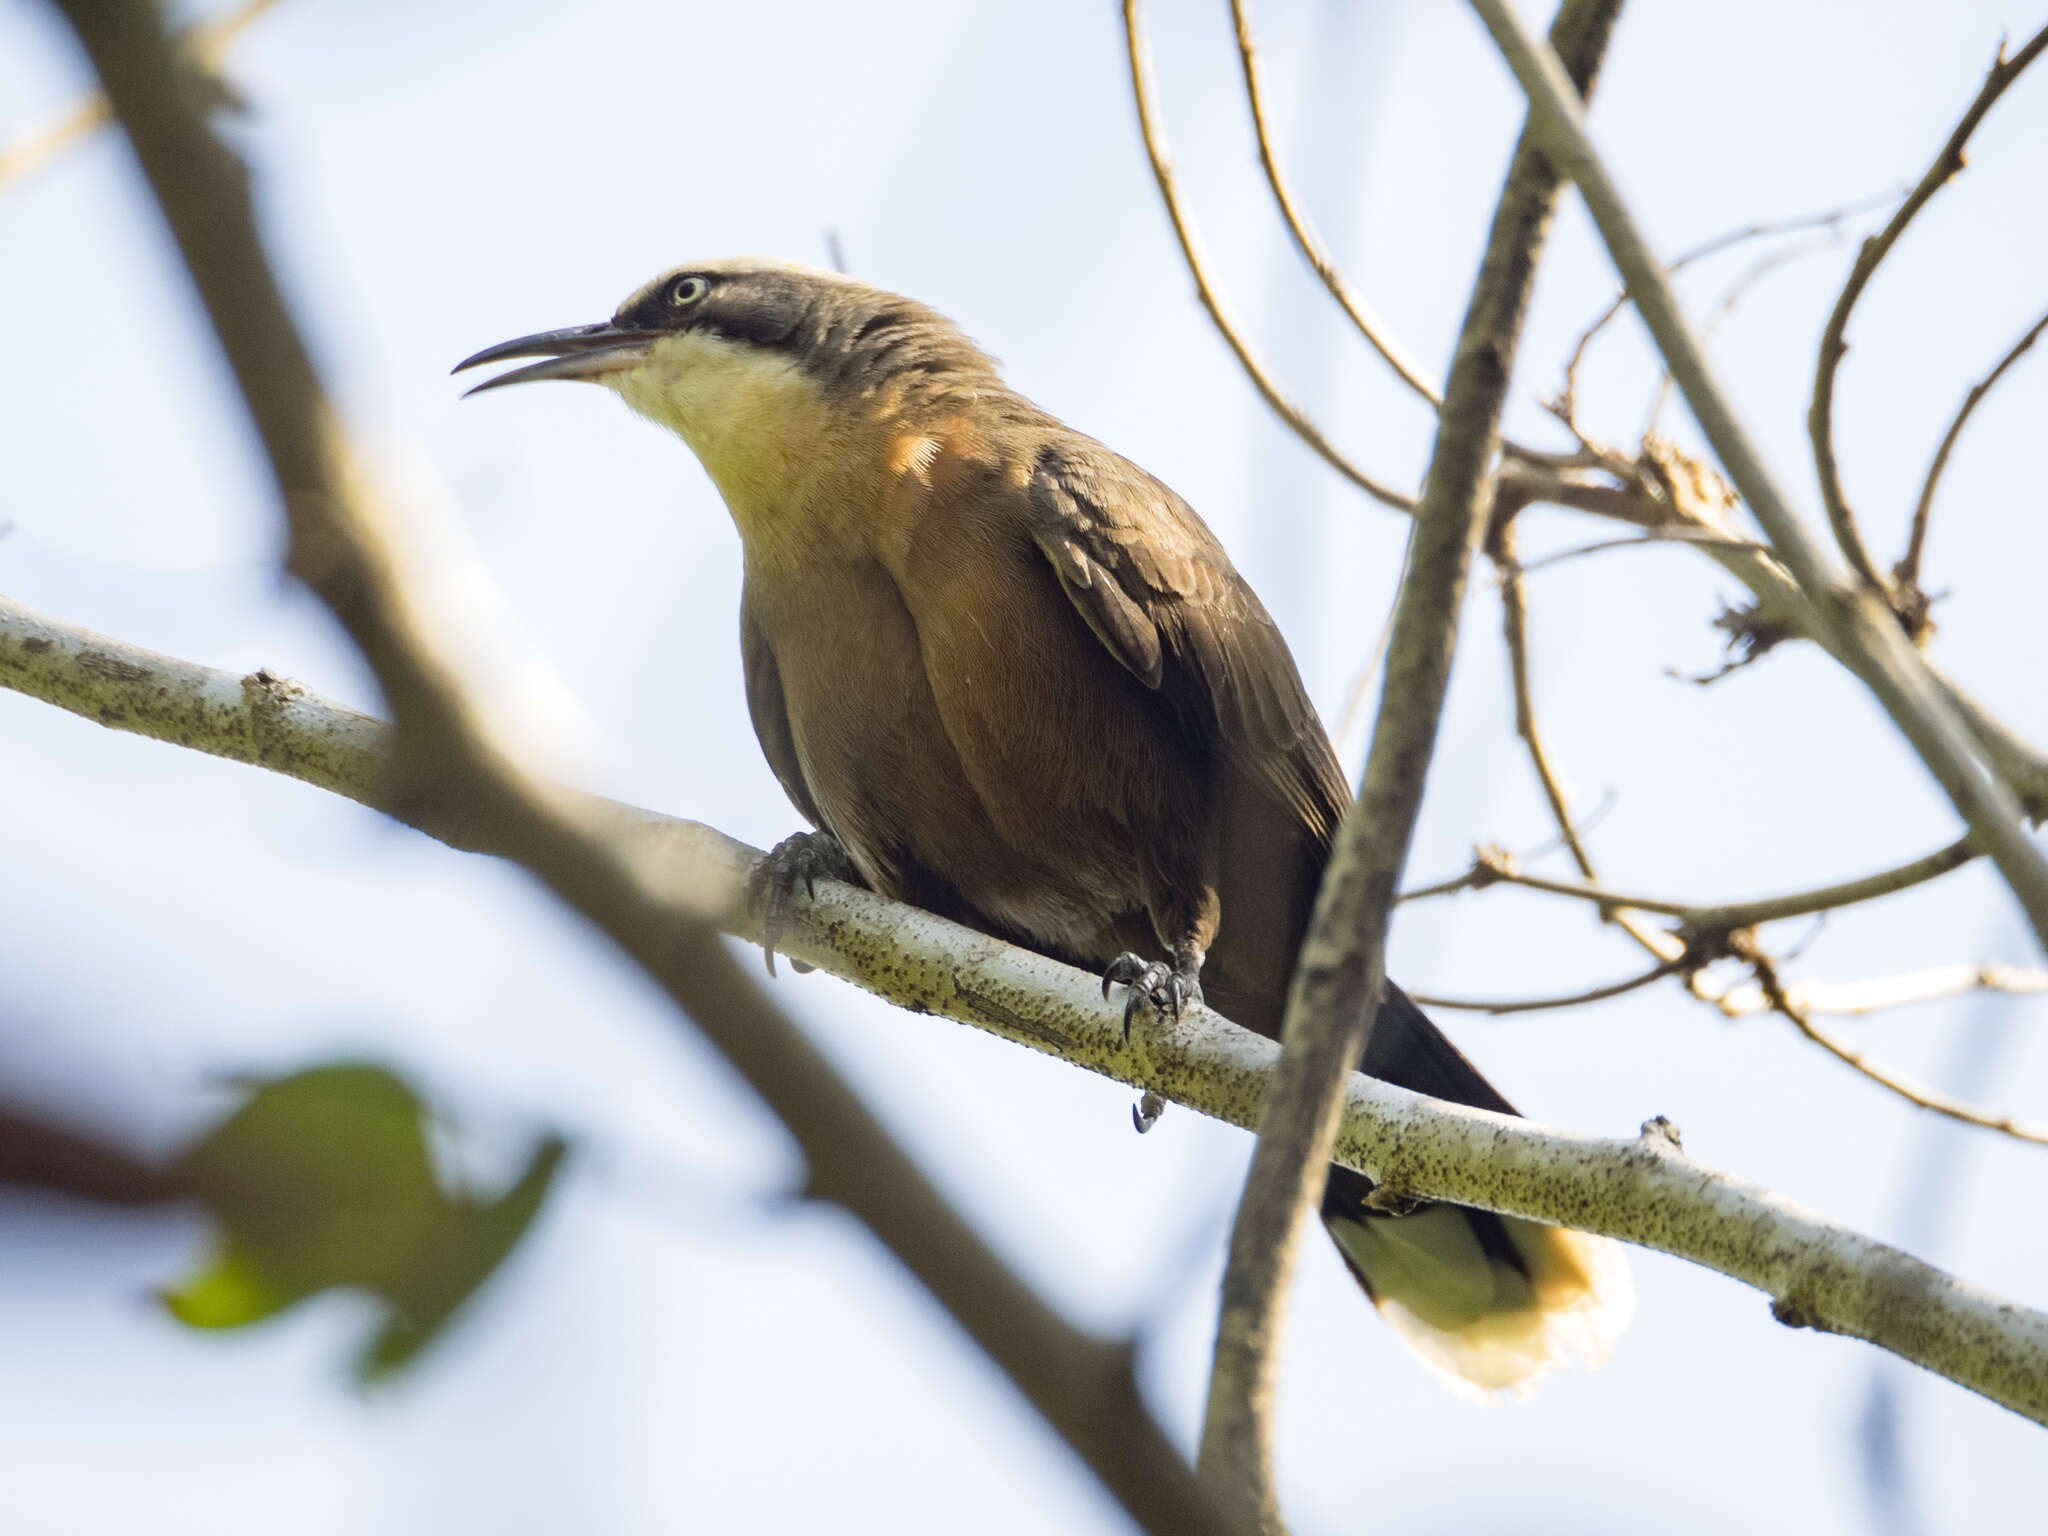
(1146, 1112)
(1168, 988)
(771, 888)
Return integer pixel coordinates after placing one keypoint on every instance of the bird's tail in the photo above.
(1492, 1302)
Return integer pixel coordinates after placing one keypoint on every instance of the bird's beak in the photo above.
(587, 352)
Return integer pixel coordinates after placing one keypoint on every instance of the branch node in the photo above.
(1659, 1134)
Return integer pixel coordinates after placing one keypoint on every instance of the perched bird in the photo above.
(1019, 683)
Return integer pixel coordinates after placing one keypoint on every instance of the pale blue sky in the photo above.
(667, 1353)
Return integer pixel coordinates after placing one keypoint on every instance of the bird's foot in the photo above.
(804, 858)
(1168, 988)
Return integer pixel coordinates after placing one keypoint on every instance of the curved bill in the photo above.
(586, 352)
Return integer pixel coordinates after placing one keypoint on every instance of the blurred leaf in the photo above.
(325, 1179)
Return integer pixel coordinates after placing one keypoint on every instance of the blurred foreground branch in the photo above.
(1639, 1190)
(1341, 975)
(449, 763)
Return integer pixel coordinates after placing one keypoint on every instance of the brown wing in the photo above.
(1161, 595)
(771, 714)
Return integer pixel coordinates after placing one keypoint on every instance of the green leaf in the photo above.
(325, 1179)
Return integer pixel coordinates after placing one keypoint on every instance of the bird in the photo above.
(1008, 676)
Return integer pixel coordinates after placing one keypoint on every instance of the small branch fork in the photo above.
(1833, 345)
(1852, 619)
(1907, 572)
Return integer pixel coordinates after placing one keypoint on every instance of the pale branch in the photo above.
(1340, 975)
(1781, 1001)
(1833, 345)
(1367, 324)
(1855, 618)
(450, 761)
(1879, 993)
(1640, 1191)
(1205, 287)
(204, 44)
(1493, 867)
(1907, 571)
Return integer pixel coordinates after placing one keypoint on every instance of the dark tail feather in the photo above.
(1490, 1301)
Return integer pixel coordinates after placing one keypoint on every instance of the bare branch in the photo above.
(1340, 975)
(1907, 571)
(1638, 1191)
(1702, 917)
(1783, 1002)
(1820, 418)
(1515, 635)
(449, 763)
(1190, 249)
(1858, 625)
(1831, 219)
(1881, 993)
(1305, 241)
(1599, 994)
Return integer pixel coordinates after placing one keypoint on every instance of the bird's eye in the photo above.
(688, 290)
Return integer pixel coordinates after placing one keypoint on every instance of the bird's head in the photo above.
(758, 365)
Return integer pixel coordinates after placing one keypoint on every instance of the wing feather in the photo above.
(1158, 591)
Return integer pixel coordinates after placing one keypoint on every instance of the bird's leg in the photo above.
(1168, 988)
(801, 858)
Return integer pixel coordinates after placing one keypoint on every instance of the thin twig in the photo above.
(1704, 917)
(1855, 621)
(205, 43)
(1913, 1092)
(1731, 297)
(1205, 287)
(1820, 419)
(1907, 571)
(1650, 540)
(1641, 1191)
(1340, 974)
(1598, 994)
(453, 763)
(1515, 636)
(1832, 218)
(1881, 993)
(1305, 241)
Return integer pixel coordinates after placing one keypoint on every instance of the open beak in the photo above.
(587, 352)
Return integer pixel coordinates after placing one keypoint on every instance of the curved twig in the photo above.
(1907, 571)
(1704, 917)
(1832, 218)
(1913, 1092)
(1820, 419)
(1305, 241)
(1877, 994)
(1205, 288)
(1548, 1004)
(1664, 947)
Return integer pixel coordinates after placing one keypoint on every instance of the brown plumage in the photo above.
(1020, 682)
